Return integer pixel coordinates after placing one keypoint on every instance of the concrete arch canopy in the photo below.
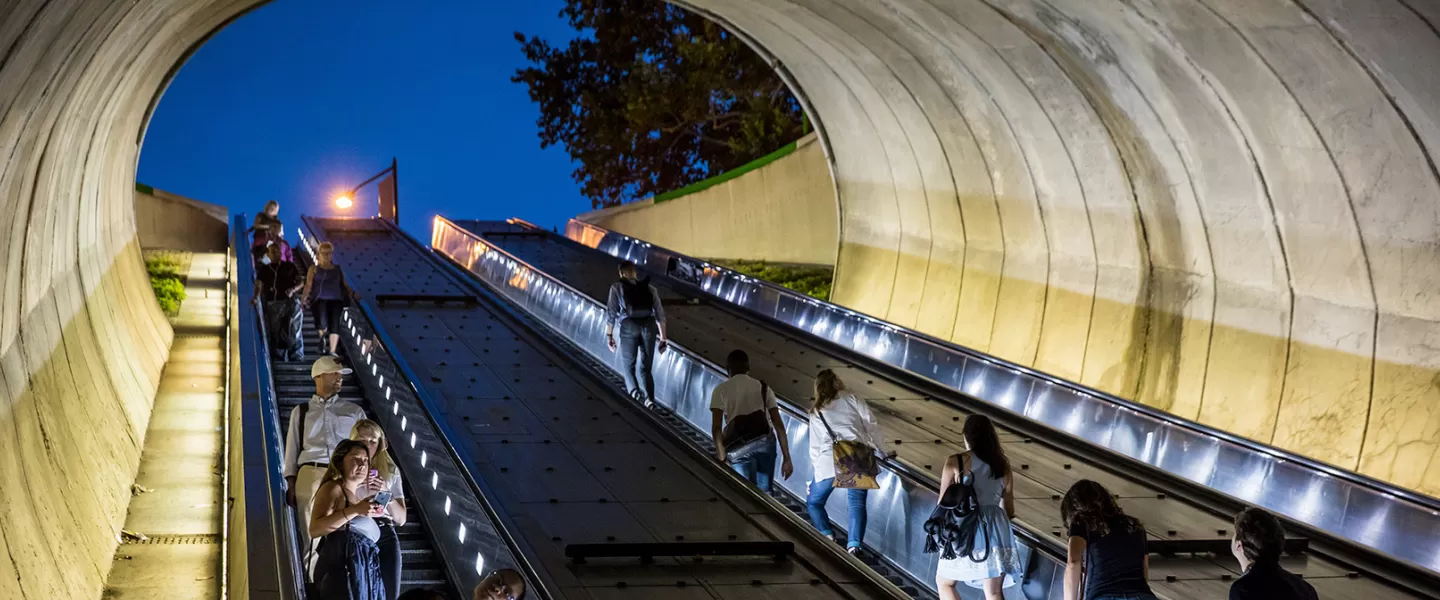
(1224, 209)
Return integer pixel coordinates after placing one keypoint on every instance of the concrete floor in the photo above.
(182, 460)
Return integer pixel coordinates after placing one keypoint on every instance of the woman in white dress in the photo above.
(984, 466)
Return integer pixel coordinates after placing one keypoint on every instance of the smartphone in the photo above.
(374, 473)
(383, 497)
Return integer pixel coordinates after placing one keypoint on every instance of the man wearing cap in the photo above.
(315, 428)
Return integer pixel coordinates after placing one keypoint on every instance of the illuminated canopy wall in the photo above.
(1227, 208)
(1224, 208)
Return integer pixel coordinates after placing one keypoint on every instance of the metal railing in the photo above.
(466, 527)
(273, 561)
(683, 382)
(1379, 517)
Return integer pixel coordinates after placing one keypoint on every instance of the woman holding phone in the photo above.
(384, 480)
(343, 520)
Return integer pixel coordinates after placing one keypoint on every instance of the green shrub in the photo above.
(164, 270)
(811, 281)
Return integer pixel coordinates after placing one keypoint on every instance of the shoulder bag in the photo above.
(856, 466)
(748, 434)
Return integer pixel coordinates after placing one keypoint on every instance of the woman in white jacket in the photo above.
(849, 417)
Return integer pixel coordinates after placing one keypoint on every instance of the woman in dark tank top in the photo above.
(1106, 550)
(326, 293)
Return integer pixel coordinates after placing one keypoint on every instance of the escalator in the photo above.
(293, 387)
(451, 539)
(1189, 528)
(590, 479)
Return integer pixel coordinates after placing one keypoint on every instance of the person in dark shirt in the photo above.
(1106, 549)
(277, 284)
(1259, 538)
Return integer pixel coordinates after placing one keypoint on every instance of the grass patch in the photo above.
(811, 281)
(167, 278)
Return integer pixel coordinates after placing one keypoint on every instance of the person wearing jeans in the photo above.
(745, 406)
(850, 419)
(635, 305)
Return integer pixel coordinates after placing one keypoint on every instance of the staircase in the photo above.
(293, 386)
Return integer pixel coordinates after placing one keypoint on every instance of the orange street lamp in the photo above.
(392, 186)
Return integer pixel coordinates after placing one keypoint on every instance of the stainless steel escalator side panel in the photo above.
(1386, 519)
(272, 560)
(460, 520)
(683, 383)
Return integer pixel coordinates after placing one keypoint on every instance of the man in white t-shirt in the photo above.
(745, 402)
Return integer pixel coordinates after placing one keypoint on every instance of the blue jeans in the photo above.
(759, 468)
(820, 494)
(637, 344)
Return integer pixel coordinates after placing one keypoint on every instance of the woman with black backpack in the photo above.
(979, 547)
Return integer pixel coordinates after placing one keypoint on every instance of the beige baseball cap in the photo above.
(326, 365)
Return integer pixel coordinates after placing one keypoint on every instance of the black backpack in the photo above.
(953, 525)
(638, 297)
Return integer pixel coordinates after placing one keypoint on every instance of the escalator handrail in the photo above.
(273, 562)
(1047, 545)
(538, 583)
(1359, 478)
(1409, 558)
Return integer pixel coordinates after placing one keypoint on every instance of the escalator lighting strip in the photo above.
(434, 477)
(447, 506)
(479, 564)
(396, 411)
(412, 440)
(425, 458)
(462, 533)
(404, 422)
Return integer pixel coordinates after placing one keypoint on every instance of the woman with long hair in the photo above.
(343, 519)
(837, 410)
(326, 292)
(992, 560)
(1106, 552)
(386, 478)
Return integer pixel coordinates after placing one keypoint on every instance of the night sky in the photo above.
(302, 99)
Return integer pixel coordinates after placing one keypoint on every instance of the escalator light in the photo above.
(412, 440)
(424, 457)
(434, 478)
(403, 422)
(447, 506)
(462, 533)
(396, 411)
(382, 381)
(480, 564)
(387, 397)
(374, 369)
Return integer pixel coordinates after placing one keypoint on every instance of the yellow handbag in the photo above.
(856, 465)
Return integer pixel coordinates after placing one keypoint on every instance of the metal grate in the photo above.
(180, 538)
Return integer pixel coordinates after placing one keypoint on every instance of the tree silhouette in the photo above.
(650, 97)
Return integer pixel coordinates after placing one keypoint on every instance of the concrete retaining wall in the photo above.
(784, 211)
(174, 222)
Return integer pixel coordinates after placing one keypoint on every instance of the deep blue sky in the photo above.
(304, 98)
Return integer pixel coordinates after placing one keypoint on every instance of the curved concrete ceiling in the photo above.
(1226, 208)
(1223, 208)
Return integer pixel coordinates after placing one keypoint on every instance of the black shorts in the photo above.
(329, 315)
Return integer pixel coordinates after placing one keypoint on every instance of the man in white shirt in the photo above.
(743, 396)
(315, 428)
